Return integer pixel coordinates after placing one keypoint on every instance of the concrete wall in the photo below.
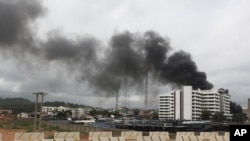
(177, 104)
(187, 96)
(82, 128)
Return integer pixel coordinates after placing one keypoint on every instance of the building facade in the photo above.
(247, 110)
(76, 112)
(188, 103)
(23, 115)
(49, 110)
(6, 115)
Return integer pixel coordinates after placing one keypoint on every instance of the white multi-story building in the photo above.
(76, 112)
(62, 108)
(49, 110)
(188, 103)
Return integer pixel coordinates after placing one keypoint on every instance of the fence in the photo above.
(83, 128)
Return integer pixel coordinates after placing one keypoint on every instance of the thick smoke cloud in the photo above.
(129, 57)
(72, 51)
(122, 62)
(182, 70)
(16, 18)
(156, 48)
(79, 55)
(132, 56)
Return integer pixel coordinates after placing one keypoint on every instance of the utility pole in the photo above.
(117, 96)
(146, 92)
(126, 92)
(41, 110)
(35, 117)
(36, 106)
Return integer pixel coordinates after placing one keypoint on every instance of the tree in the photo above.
(219, 117)
(239, 118)
(205, 115)
(62, 115)
(136, 112)
(238, 115)
(92, 112)
(155, 116)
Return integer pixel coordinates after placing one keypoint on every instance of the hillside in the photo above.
(60, 103)
(8, 101)
(17, 105)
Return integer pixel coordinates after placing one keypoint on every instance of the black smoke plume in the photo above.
(182, 70)
(156, 49)
(16, 17)
(129, 57)
(121, 62)
(79, 55)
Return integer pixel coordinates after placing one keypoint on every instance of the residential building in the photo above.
(5, 111)
(6, 115)
(62, 108)
(23, 115)
(188, 103)
(78, 113)
(49, 110)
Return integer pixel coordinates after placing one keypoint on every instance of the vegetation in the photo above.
(62, 115)
(218, 117)
(60, 103)
(239, 118)
(27, 125)
(238, 115)
(17, 105)
(205, 115)
(235, 108)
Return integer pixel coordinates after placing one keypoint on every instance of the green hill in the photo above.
(60, 103)
(8, 101)
(17, 105)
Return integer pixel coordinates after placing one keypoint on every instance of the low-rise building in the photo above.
(76, 112)
(5, 111)
(23, 115)
(62, 108)
(49, 110)
(6, 115)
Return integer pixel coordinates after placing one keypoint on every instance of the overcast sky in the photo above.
(214, 32)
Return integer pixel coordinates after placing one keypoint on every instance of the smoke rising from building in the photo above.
(182, 70)
(129, 56)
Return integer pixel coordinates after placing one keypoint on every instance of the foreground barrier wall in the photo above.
(115, 132)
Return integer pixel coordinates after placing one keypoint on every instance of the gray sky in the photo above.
(214, 32)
